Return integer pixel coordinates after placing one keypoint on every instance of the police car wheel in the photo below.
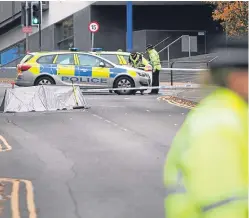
(44, 80)
(124, 82)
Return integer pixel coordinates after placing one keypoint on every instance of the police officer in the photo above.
(136, 60)
(155, 62)
(206, 171)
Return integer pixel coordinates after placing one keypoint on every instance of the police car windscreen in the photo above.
(126, 57)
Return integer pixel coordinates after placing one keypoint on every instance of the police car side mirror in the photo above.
(102, 64)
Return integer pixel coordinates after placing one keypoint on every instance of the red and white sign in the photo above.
(93, 27)
(27, 29)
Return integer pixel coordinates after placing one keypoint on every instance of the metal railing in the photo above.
(161, 41)
(188, 62)
(167, 47)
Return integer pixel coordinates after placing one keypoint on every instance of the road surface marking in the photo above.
(30, 199)
(4, 145)
(14, 198)
(95, 115)
(170, 101)
(110, 122)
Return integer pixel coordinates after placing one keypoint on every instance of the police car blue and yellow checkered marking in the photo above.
(35, 69)
(48, 68)
(100, 72)
(115, 71)
(83, 71)
(66, 70)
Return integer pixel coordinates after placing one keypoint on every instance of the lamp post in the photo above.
(129, 23)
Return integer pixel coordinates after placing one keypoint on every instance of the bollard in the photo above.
(12, 84)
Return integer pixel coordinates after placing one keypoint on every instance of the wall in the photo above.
(112, 21)
(8, 9)
(5, 10)
(111, 35)
(47, 40)
(82, 37)
(143, 37)
(53, 15)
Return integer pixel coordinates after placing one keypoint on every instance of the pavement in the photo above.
(106, 161)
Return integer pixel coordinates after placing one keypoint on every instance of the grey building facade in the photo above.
(66, 23)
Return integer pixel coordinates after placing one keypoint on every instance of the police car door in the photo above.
(93, 70)
(66, 67)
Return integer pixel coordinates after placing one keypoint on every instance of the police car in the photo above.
(81, 68)
(120, 58)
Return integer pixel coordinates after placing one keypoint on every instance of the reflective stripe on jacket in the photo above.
(206, 171)
(137, 62)
(154, 59)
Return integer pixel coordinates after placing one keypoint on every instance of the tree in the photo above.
(233, 16)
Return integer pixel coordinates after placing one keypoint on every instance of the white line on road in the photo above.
(107, 106)
(95, 115)
(110, 122)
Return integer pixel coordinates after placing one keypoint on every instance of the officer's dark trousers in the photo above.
(155, 81)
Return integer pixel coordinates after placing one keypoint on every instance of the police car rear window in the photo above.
(26, 58)
(48, 59)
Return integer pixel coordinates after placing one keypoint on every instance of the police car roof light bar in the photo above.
(97, 49)
(73, 49)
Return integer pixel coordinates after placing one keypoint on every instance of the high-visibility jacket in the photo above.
(154, 59)
(136, 62)
(206, 170)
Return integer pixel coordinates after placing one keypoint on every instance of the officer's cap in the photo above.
(134, 52)
(149, 46)
(234, 54)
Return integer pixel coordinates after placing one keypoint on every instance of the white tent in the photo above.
(42, 98)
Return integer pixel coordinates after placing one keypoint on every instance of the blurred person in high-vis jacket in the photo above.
(206, 170)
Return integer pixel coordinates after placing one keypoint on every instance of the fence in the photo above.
(184, 72)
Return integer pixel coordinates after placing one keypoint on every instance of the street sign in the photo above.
(27, 29)
(93, 27)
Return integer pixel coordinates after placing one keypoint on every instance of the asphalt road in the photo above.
(106, 161)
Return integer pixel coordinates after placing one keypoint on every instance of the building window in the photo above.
(66, 43)
(66, 36)
(14, 52)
